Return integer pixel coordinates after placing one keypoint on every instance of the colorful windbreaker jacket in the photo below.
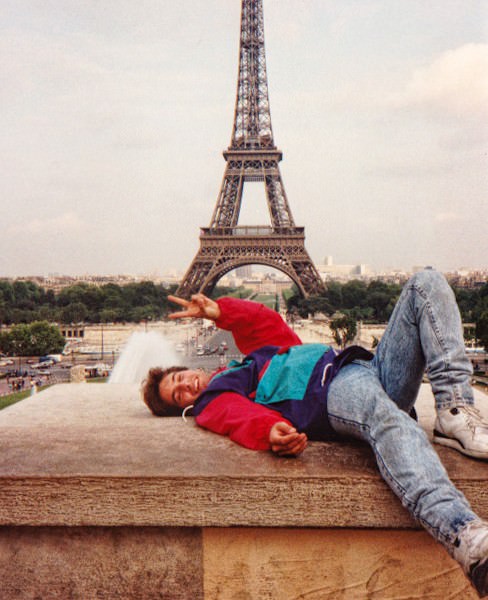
(280, 379)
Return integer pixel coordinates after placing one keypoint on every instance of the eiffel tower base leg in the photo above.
(219, 254)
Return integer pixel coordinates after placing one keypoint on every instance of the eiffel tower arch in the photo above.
(252, 156)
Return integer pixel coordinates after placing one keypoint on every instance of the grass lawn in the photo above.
(17, 396)
(13, 398)
(268, 300)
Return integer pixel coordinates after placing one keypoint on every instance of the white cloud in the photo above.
(456, 82)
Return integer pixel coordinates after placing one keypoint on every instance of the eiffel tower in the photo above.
(251, 156)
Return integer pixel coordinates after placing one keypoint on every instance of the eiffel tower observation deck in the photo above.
(251, 157)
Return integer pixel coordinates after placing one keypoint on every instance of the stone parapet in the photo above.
(91, 454)
(91, 472)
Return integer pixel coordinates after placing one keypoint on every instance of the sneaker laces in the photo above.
(473, 418)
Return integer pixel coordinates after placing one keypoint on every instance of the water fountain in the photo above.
(143, 351)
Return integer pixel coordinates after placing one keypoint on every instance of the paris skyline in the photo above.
(115, 115)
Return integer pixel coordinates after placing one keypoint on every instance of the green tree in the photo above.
(75, 312)
(5, 342)
(318, 304)
(466, 300)
(90, 296)
(354, 293)
(482, 329)
(147, 312)
(110, 315)
(7, 292)
(45, 338)
(344, 329)
(34, 339)
(334, 295)
(379, 302)
(47, 313)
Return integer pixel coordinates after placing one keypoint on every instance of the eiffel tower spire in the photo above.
(251, 156)
(252, 118)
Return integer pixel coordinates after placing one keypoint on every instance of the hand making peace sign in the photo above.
(199, 307)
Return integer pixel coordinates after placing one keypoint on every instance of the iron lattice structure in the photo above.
(251, 156)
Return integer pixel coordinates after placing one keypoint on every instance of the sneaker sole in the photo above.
(439, 438)
(479, 578)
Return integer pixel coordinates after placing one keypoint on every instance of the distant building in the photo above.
(267, 284)
(328, 270)
(75, 332)
(244, 272)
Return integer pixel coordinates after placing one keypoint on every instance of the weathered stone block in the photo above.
(335, 564)
(113, 563)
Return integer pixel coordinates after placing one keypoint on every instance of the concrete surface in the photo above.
(99, 499)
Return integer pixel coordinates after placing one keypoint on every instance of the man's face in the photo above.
(182, 388)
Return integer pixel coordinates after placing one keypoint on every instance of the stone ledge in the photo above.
(92, 455)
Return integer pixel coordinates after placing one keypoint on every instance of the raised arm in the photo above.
(253, 325)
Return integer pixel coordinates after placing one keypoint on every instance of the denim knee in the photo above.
(428, 280)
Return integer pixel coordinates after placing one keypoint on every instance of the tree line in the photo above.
(29, 308)
(373, 302)
(473, 304)
(26, 302)
(369, 302)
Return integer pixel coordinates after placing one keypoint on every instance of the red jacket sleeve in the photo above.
(244, 421)
(253, 325)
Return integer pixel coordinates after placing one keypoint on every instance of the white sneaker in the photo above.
(462, 427)
(471, 551)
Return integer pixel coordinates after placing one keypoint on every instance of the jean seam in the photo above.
(409, 504)
(435, 327)
(457, 395)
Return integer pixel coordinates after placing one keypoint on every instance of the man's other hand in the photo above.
(286, 441)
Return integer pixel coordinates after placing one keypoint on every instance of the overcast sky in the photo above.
(114, 115)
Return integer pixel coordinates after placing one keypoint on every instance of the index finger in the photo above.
(180, 301)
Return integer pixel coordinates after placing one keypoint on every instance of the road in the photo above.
(212, 361)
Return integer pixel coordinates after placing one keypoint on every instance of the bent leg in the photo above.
(425, 332)
(358, 406)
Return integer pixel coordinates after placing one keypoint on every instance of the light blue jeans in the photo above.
(371, 401)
